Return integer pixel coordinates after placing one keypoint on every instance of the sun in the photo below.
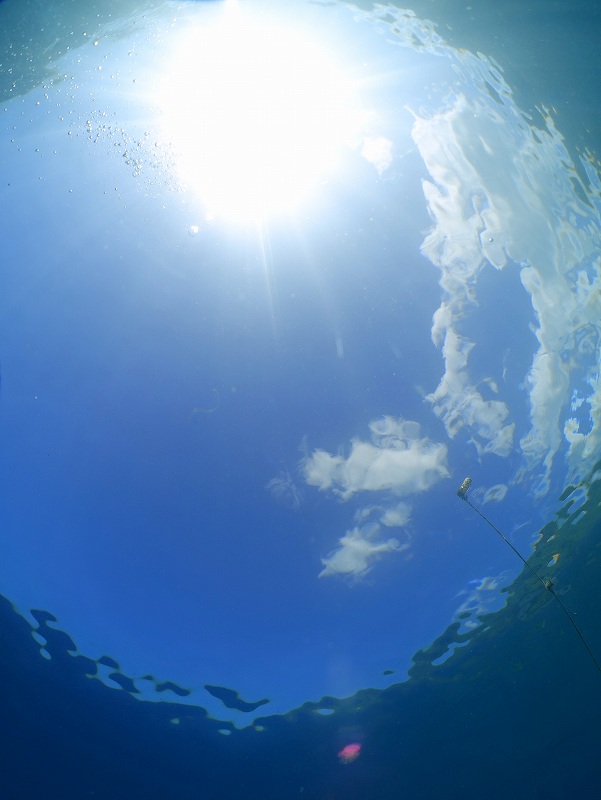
(256, 113)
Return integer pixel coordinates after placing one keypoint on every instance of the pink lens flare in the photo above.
(349, 753)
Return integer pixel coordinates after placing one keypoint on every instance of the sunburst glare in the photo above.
(257, 114)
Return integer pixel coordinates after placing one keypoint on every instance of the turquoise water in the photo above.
(276, 279)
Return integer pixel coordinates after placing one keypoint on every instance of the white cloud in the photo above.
(396, 459)
(396, 516)
(455, 245)
(378, 151)
(393, 516)
(459, 403)
(505, 194)
(357, 550)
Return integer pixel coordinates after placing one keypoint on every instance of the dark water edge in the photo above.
(515, 712)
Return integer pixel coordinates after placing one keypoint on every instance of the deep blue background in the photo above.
(132, 452)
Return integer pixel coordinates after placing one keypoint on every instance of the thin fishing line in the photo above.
(548, 584)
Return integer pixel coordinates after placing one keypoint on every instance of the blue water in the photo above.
(275, 279)
(513, 711)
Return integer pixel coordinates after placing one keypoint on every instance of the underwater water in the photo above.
(277, 278)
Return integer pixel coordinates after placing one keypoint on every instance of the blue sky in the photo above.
(232, 441)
